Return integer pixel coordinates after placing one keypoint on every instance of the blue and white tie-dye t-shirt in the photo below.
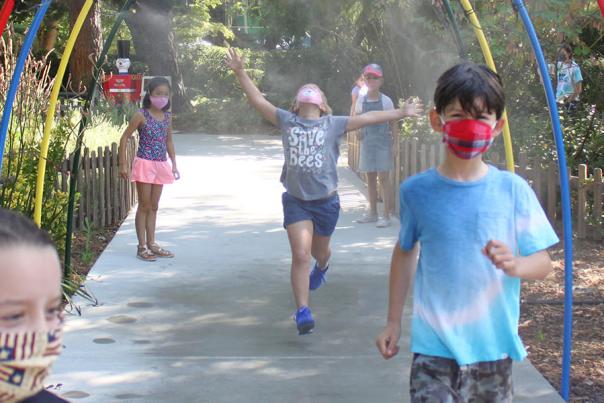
(312, 149)
(464, 308)
(569, 75)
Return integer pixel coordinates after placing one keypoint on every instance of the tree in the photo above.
(153, 39)
(88, 45)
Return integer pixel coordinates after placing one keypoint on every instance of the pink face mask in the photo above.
(159, 102)
(310, 95)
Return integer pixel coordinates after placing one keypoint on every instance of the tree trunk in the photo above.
(88, 46)
(151, 28)
(49, 37)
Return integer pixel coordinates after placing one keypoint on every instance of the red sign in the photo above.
(122, 88)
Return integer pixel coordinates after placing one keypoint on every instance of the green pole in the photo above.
(460, 45)
(92, 87)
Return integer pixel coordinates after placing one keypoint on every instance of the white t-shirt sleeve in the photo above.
(358, 107)
(387, 103)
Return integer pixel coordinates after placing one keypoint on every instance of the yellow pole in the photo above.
(507, 137)
(54, 96)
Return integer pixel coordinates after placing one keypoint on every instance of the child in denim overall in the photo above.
(376, 157)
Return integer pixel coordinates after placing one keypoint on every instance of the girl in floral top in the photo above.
(150, 168)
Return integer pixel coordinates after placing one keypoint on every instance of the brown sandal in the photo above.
(143, 253)
(159, 251)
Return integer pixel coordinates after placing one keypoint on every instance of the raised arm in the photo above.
(410, 108)
(353, 107)
(254, 96)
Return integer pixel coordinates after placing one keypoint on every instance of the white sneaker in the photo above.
(383, 222)
(367, 218)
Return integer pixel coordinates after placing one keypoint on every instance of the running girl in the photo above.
(311, 138)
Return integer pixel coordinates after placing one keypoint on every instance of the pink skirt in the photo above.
(154, 172)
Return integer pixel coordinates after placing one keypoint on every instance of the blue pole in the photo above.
(565, 197)
(14, 85)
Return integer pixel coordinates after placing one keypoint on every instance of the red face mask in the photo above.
(467, 138)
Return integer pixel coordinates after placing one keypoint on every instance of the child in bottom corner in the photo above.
(150, 168)
(311, 138)
(478, 232)
(31, 310)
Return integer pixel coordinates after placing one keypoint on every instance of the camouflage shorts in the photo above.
(441, 380)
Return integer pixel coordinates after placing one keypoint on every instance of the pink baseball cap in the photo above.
(310, 95)
(373, 69)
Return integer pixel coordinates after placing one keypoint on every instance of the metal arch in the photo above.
(486, 51)
(14, 85)
(564, 194)
(460, 44)
(5, 12)
(75, 168)
(50, 114)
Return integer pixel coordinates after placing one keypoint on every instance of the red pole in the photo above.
(7, 9)
(601, 3)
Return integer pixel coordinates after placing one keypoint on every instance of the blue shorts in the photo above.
(323, 213)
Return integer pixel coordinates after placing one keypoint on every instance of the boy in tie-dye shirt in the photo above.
(469, 234)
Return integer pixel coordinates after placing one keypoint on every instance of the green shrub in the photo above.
(229, 115)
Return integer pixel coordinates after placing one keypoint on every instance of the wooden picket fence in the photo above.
(105, 198)
(587, 189)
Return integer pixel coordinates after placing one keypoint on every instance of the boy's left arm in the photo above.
(577, 83)
(535, 266)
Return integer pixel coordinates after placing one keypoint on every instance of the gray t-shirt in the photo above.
(311, 148)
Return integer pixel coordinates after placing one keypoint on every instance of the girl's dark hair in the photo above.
(153, 84)
(467, 82)
(16, 229)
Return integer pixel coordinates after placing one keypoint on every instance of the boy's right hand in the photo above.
(412, 107)
(233, 60)
(387, 341)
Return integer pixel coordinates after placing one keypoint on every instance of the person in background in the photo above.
(360, 88)
(569, 81)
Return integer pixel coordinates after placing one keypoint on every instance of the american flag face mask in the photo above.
(25, 361)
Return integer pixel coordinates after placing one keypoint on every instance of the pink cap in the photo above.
(310, 95)
(373, 69)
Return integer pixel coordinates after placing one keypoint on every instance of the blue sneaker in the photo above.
(304, 321)
(317, 277)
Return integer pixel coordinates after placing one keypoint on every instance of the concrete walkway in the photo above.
(214, 324)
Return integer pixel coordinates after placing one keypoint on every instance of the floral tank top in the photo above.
(153, 136)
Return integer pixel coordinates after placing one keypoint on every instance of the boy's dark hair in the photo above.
(568, 49)
(16, 229)
(151, 86)
(467, 82)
